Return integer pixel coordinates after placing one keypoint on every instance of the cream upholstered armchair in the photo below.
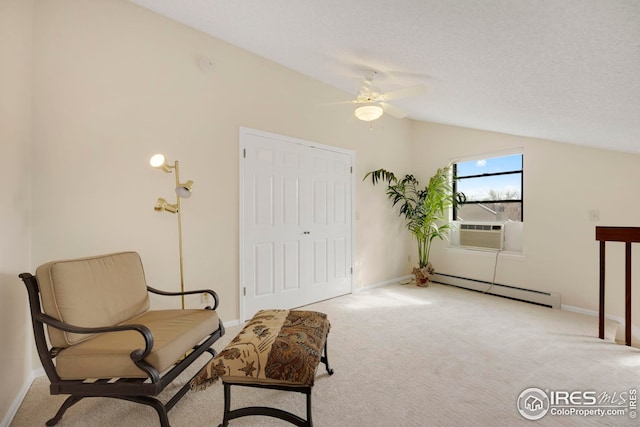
(103, 338)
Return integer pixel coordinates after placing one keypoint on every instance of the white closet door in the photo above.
(296, 222)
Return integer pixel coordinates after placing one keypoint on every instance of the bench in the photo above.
(104, 339)
(276, 349)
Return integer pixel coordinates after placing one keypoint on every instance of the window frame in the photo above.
(485, 175)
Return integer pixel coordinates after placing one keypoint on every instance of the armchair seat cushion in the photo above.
(108, 355)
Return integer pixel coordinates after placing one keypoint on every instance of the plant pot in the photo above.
(423, 275)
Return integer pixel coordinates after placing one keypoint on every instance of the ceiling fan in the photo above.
(373, 103)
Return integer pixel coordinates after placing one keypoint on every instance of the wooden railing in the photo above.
(628, 235)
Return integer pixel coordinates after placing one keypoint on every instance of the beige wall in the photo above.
(115, 83)
(15, 137)
(562, 182)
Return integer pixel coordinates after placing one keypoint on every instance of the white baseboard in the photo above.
(635, 332)
(231, 323)
(13, 409)
(581, 310)
(387, 282)
(549, 299)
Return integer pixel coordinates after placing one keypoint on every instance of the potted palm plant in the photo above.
(423, 208)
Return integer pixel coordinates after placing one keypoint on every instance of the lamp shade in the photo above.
(369, 112)
(184, 189)
(163, 206)
(160, 162)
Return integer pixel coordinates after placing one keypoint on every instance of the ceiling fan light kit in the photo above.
(373, 103)
(369, 112)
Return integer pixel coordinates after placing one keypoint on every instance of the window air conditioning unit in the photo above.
(487, 235)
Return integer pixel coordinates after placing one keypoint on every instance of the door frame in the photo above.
(242, 133)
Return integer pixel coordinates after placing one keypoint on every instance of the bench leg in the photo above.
(309, 419)
(265, 411)
(227, 405)
(325, 359)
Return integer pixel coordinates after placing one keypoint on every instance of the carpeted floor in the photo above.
(408, 356)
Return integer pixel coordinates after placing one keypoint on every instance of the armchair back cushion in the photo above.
(92, 292)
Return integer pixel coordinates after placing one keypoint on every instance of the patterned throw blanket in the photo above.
(275, 347)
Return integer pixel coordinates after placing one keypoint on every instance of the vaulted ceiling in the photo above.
(564, 70)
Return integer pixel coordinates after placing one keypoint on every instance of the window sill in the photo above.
(468, 250)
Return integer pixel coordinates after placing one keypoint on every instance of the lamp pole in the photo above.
(177, 169)
(182, 190)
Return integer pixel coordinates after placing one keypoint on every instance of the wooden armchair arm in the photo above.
(201, 291)
(136, 355)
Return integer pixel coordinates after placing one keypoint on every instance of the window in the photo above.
(493, 187)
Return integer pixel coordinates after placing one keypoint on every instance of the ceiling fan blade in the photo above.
(340, 103)
(393, 110)
(405, 92)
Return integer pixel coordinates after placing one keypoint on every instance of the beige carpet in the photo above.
(408, 356)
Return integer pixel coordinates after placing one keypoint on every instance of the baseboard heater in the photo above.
(548, 299)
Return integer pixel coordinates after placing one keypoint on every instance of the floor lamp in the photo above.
(183, 191)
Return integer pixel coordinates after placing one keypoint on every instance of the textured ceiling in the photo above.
(564, 70)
